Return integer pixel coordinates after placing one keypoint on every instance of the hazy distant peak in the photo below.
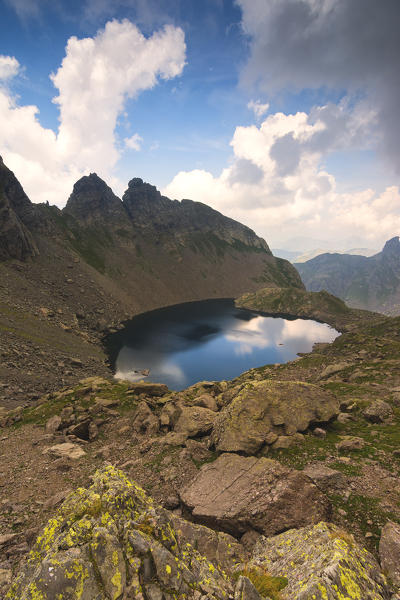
(392, 246)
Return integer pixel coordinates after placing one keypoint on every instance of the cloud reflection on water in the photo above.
(212, 341)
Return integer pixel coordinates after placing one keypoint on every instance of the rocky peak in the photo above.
(392, 247)
(92, 200)
(140, 190)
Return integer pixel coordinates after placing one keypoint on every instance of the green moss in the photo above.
(265, 584)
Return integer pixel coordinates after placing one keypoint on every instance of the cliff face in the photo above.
(372, 283)
(15, 217)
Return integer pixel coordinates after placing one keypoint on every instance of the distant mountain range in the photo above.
(370, 282)
(297, 256)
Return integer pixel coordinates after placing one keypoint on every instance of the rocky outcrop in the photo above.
(262, 411)
(321, 562)
(111, 541)
(16, 240)
(294, 302)
(371, 283)
(92, 202)
(237, 493)
(150, 211)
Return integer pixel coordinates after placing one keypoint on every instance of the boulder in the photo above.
(65, 450)
(333, 369)
(112, 541)
(378, 412)
(149, 389)
(328, 480)
(349, 443)
(389, 551)
(145, 421)
(237, 493)
(321, 562)
(206, 401)
(219, 547)
(195, 421)
(262, 407)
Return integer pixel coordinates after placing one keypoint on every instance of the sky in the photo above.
(282, 114)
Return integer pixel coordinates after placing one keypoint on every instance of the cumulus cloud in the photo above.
(351, 46)
(134, 142)
(288, 192)
(258, 108)
(9, 67)
(96, 78)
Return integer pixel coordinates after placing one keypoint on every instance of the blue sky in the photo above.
(280, 113)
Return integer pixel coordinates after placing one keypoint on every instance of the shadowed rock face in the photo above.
(149, 210)
(16, 215)
(93, 200)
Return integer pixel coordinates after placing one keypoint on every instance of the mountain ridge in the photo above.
(371, 283)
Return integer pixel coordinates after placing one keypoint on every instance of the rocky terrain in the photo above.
(371, 283)
(285, 482)
(282, 484)
(69, 276)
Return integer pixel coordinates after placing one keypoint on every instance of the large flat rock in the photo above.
(237, 493)
(262, 407)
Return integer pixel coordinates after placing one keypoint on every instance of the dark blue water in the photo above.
(210, 340)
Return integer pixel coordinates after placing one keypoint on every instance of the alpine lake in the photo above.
(207, 341)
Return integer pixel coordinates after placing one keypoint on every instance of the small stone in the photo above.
(319, 432)
(271, 437)
(53, 424)
(350, 443)
(344, 418)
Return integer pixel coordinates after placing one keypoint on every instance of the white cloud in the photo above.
(96, 78)
(329, 44)
(134, 142)
(258, 108)
(9, 67)
(292, 194)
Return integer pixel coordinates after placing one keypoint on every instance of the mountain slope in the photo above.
(363, 282)
(99, 261)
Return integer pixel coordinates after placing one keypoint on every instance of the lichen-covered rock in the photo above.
(321, 562)
(238, 493)
(245, 590)
(219, 547)
(261, 407)
(111, 542)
